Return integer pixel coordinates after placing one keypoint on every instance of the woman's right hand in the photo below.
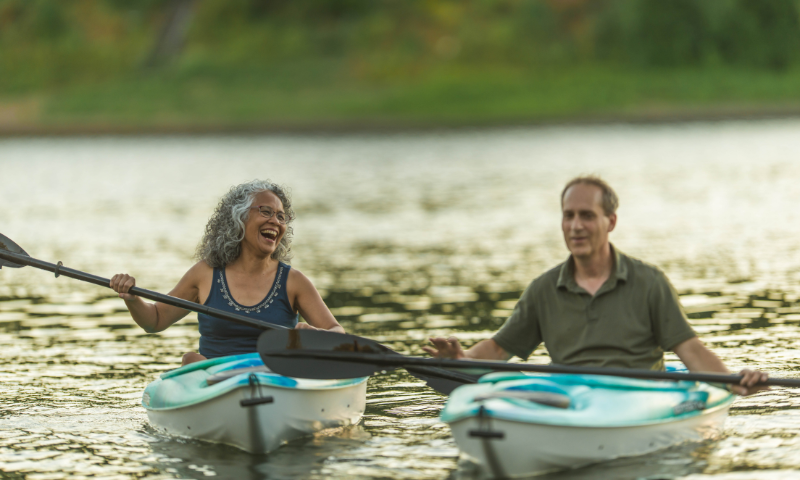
(121, 283)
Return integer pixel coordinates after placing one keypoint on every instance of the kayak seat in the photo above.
(228, 373)
(549, 399)
(204, 364)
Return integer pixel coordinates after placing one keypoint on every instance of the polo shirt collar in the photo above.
(566, 276)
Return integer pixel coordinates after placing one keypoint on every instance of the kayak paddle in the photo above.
(13, 256)
(303, 357)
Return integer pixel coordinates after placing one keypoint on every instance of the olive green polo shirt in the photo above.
(632, 319)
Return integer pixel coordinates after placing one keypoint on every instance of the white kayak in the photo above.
(517, 425)
(237, 401)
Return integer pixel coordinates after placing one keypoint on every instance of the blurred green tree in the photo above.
(654, 32)
(762, 33)
(445, 48)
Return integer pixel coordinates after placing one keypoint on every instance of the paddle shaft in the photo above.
(387, 361)
(141, 292)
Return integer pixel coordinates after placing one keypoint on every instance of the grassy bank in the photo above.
(109, 65)
(311, 96)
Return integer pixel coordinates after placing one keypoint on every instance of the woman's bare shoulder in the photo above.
(201, 267)
(197, 279)
(297, 281)
(199, 272)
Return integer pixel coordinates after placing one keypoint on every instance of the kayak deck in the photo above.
(237, 401)
(189, 384)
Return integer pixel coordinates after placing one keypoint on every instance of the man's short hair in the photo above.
(610, 199)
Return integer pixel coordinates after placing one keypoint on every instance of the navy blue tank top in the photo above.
(219, 338)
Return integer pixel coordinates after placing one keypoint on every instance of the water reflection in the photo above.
(407, 236)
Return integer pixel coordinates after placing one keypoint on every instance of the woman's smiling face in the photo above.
(262, 235)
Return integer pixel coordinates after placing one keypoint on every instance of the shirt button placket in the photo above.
(591, 313)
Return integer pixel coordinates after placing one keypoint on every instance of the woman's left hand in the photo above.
(305, 326)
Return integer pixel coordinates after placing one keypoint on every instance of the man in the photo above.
(600, 307)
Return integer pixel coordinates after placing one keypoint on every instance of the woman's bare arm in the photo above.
(307, 301)
(157, 317)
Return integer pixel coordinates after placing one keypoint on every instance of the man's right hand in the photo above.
(446, 348)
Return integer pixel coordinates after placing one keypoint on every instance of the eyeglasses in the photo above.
(268, 212)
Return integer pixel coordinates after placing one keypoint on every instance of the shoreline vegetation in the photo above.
(585, 96)
(365, 126)
(260, 66)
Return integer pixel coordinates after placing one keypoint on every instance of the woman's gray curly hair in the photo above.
(221, 243)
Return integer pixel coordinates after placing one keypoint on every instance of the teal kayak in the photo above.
(525, 424)
(238, 401)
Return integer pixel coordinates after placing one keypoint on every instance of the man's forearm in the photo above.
(487, 350)
(698, 358)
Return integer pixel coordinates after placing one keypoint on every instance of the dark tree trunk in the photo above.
(173, 33)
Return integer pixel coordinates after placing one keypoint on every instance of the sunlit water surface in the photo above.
(406, 236)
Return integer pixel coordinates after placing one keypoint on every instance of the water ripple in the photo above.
(407, 237)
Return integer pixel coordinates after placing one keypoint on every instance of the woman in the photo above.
(242, 269)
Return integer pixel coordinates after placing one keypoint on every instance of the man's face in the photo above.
(583, 221)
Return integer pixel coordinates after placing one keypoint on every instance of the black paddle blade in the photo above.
(273, 342)
(7, 244)
(441, 380)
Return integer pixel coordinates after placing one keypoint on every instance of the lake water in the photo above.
(407, 236)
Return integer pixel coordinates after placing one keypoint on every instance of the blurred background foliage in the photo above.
(282, 62)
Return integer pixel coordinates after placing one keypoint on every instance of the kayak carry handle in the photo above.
(486, 431)
(257, 399)
(250, 402)
(486, 434)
